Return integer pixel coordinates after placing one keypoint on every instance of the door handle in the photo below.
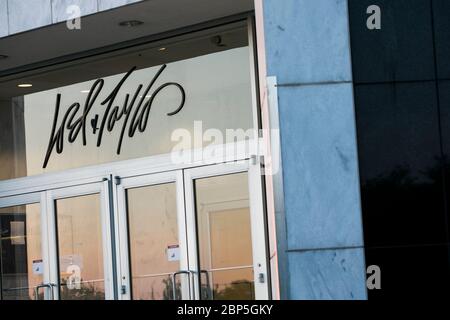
(208, 284)
(174, 281)
(44, 285)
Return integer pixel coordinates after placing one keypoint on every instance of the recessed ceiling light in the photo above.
(162, 49)
(130, 23)
(25, 85)
(2, 56)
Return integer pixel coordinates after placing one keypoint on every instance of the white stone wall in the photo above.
(23, 15)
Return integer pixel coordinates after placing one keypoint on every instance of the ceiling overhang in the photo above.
(101, 32)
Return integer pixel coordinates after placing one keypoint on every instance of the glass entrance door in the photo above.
(80, 240)
(152, 237)
(225, 217)
(193, 234)
(23, 260)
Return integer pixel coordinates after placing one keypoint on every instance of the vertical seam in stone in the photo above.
(7, 18)
(51, 12)
(356, 143)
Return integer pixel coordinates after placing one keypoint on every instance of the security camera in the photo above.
(217, 40)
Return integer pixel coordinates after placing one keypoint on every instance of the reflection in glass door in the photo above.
(226, 232)
(187, 234)
(21, 257)
(156, 240)
(193, 234)
(82, 242)
(80, 248)
(224, 237)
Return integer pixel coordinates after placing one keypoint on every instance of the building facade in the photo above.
(207, 149)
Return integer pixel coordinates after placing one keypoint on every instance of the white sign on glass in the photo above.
(116, 118)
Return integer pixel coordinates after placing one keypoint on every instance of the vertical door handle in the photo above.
(44, 285)
(208, 284)
(174, 281)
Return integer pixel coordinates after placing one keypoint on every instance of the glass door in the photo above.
(80, 242)
(24, 270)
(193, 234)
(152, 235)
(226, 232)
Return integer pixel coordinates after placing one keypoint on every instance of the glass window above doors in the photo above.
(138, 102)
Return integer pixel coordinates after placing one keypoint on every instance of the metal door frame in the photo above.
(123, 184)
(102, 189)
(258, 224)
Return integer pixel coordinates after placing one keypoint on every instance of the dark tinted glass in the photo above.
(400, 164)
(401, 50)
(403, 124)
(441, 14)
(444, 95)
(411, 272)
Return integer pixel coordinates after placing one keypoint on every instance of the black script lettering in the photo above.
(112, 113)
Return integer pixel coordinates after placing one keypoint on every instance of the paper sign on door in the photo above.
(38, 267)
(173, 253)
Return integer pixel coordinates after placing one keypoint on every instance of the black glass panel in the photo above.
(441, 13)
(411, 272)
(400, 164)
(401, 50)
(444, 94)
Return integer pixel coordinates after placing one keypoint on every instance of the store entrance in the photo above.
(193, 232)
